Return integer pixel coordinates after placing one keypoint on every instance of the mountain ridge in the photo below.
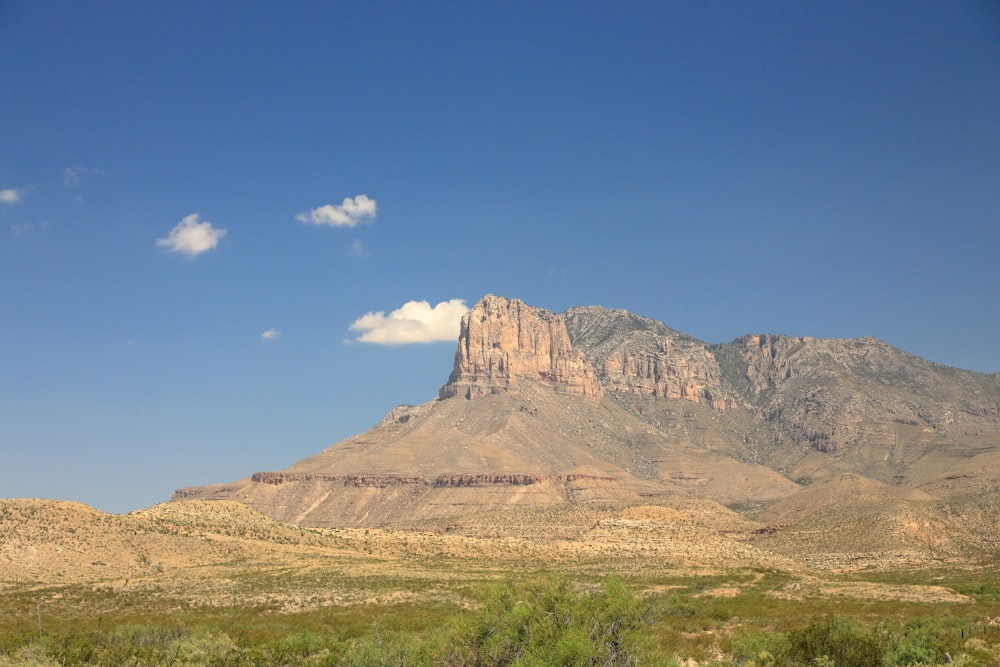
(603, 405)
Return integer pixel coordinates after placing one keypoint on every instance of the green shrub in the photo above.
(203, 649)
(836, 641)
(397, 649)
(548, 623)
(761, 649)
(921, 642)
(28, 656)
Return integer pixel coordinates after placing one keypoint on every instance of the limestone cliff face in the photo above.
(638, 355)
(769, 359)
(584, 351)
(657, 374)
(502, 341)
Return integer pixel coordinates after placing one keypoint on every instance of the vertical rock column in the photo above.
(504, 340)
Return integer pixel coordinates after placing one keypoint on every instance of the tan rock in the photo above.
(503, 340)
(641, 356)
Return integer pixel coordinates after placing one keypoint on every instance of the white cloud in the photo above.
(414, 322)
(11, 196)
(350, 213)
(20, 229)
(270, 334)
(191, 237)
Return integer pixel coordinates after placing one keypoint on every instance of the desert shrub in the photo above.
(73, 648)
(977, 652)
(32, 655)
(386, 652)
(680, 606)
(761, 649)
(835, 641)
(547, 622)
(398, 649)
(919, 642)
(202, 649)
(302, 647)
(140, 645)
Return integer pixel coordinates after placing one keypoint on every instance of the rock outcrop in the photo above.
(641, 356)
(768, 359)
(210, 492)
(359, 481)
(502, 341)
(585, 351)
(458, 480)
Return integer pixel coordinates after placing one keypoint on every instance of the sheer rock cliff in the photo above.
(502, 342)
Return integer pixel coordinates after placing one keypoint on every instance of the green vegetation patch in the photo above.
(539, 619)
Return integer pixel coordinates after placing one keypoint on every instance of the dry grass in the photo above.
(219, 553)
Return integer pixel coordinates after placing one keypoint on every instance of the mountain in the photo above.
(597, 405)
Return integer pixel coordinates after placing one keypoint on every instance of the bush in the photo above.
(835, 641)
(548, 623)
(28, 656)
(761, 649)
(920, 643)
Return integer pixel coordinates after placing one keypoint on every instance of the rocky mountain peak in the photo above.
(502, 341)
(585, 351)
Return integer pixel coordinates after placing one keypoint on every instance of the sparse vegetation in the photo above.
(685, 580)
(545, 620)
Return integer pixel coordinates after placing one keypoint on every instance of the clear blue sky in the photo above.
(199, 199)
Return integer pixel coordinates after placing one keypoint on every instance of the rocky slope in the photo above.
(831, 406)
(641, 356)
(598, 405)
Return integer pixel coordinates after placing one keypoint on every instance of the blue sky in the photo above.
(198, 200)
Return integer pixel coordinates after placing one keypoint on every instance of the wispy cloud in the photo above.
(26, 227)
(350, 213)
(76, 175)
(191, 237)
(358, 249)
(270, 334)
(414, 322)
(11, 196)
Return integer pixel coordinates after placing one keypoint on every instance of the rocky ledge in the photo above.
(447, 480)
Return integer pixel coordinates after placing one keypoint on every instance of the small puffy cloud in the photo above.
(11, 196)
(350, 213)
(414, 322)
(270, 334)
(20, 229)
(191, 237)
